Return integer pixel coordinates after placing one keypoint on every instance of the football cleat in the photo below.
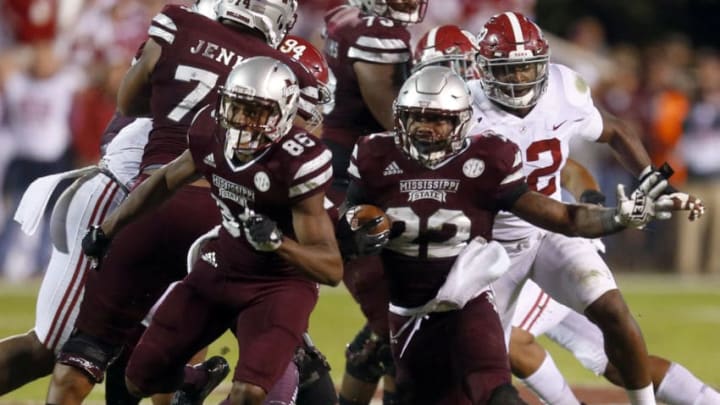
(217, 369)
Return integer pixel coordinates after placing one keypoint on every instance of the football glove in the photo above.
(95, 245)
(262, 233)
(359, 243)
(665, 171)
(641, 207)
(683, 202)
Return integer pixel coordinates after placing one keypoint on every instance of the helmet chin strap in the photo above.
(522, 101)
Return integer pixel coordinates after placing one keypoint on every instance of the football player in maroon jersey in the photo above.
(442, 190)
(185, 58)
(450, 46)
(367, 46)
(276, 241)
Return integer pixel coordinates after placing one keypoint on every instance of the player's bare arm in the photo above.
(134, 92)
(628, 148)
(577, 179)
(379, 87)
(315, 251)
(152, 192)
(625, 143)
(570, 219)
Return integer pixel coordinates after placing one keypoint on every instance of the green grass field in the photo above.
(680, 319)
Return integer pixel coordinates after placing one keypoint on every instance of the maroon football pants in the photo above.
(455, 358)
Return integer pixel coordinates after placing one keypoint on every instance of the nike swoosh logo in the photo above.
(555, 127)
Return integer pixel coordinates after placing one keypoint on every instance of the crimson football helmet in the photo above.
(274, 18)
(432, 115)
(402, 11)
(451, 46)
(301, 50)
(257, 106)
(513, 59)
(313, 60)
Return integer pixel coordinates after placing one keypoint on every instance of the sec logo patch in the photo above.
(473, 168)
(262, 181)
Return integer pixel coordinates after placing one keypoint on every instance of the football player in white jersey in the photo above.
(540, 106)
(536, 312)
(95, 193)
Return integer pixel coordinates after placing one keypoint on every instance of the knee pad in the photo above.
(506, 394)
(369, 357)
(89, 355)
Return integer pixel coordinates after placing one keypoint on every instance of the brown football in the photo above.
(359, 215)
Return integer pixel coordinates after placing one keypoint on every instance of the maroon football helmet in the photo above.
(513, 60)
(451, 46)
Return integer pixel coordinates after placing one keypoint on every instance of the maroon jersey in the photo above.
(197, 55)
(294, 168)
(435, 212)
(356, 37)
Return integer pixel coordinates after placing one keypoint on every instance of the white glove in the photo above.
(679, 201)
(641, 207)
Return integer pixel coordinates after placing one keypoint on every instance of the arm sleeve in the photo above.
(163, 28)
(312, 176)
(579, 98)
(380, 40)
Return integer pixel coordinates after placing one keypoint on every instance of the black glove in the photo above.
(262, 233)
(95, 245)
(359, 243)
(592, 197)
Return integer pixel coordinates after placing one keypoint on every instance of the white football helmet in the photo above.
(402, 11)
(432, 115)
(205, 8)
(257, 106)
(274, 18)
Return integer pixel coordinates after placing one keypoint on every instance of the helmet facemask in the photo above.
(251, 124)
(514, 82)
(463, 65)
(430, 136)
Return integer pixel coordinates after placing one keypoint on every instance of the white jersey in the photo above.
(543, 136)
(124, 153)
(86, 202)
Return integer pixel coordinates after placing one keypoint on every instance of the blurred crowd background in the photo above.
(654, 63)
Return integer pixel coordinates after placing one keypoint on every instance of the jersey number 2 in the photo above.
(533, 154)
(442, 234)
